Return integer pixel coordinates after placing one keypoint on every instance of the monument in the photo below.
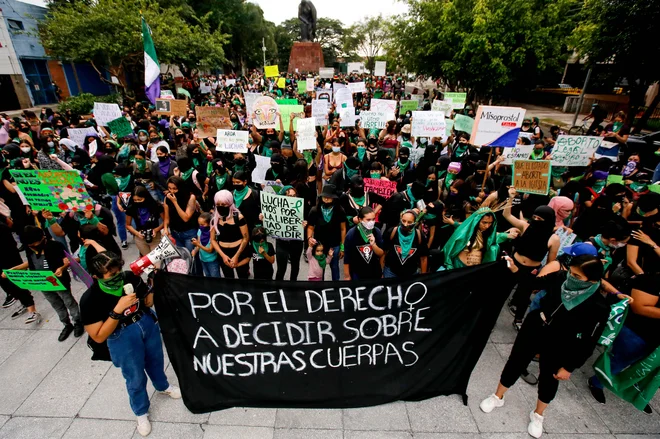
(306, 55)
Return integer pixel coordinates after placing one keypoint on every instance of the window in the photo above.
(15, 25)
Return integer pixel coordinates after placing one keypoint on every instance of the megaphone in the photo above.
(164, 250)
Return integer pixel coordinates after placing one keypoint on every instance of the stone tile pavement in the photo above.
(53, 390)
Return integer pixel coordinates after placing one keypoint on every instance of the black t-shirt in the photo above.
(403, 265)
(95, 305)
(9, 256)
(351, 208)
(647, 258)
(328, 234)
(145, 217)
(646, 327)
(262, 268)
(359, 254)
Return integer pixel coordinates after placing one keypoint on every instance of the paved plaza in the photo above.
(54, 390)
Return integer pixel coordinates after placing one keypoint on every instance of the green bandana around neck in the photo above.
(537, 155)
(361, 151)
(94, 220)
(267, 152)
(575, 291)
(406, 242)
(598, 239)
(220, 180)
(359, 201)
(460, 149)
(256, 246)
(321, 260)
(402, 166)
(122, 182)
(327, 213)
(186, 175)
(364, 232)
(114, 285)
(239, 196)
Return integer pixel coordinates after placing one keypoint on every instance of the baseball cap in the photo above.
(579, 249)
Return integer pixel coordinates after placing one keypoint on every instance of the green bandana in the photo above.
(220, 180)
(239, 168)
(361, 151)
(195, 162)
(81, 255)
(441, 174)
(321, 260)
(449, 179)
(308, 156)
(141, 165)
(375, 175)
(413, 200)
(209, 168)
(536, 155)
(463, 234)
(364, 232)
(460, 149)
(239, 196)
(256, 246)
(267, 152)
(598, 186)
(598, 239)
(575, 291)
(359, 201)
(616, 126)
(94, 220)
(327, 213)
(429, 182)
(186, 175)
(114, 285)
(122, 182)
(350, 172)
(638, 187)
(406, 242)
(402, 166)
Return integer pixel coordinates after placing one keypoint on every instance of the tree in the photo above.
(107, 34)
(620, 33)
(330, 34)
(367, 38)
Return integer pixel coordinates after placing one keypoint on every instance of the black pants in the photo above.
(521, 298)
(534, 338)
(285, 252)
(19, 294)
(243, 271)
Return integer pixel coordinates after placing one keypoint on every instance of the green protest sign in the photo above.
(614, 179)
(302, 87)
(378, 94)
(53, 190)
(449, 124)
(44, 280)
(286, 101)
(121, 127)
(283, 216)
(286, 110)
(407, 106)
(463, 123)
(654, 188)
(457, 99)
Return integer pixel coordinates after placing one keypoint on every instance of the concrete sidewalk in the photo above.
(53, 390)
(550, 116)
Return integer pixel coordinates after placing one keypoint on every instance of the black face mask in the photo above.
(330, 204)
(373, 141)
(162, 158)
(277, 167)
(239, 187)
(259, 239)
(357, 192)
(405, 229)
(222, 210)
(240, 162)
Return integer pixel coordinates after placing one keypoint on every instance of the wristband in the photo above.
(114, 315)
(341, 247)
(51, 221)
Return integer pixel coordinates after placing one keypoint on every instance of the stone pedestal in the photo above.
(306, 57)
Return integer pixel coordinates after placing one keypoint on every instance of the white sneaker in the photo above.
(173, 392)
(535, 427)
(490, 403)
(144, 426)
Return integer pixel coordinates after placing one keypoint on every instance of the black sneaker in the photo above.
(78, 330)
(68, 329)
(124, 245)
(597, 393)
(9, 302)
(529, 378)
(648, 410)
(19, 312)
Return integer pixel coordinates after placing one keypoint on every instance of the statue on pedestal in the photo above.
(307, 17)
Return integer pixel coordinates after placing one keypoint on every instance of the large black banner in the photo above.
(326, 344)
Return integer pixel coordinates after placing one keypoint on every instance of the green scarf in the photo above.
(638, 187)
(327, 213)
(460, 149)
(122, 182)
(406, 242)
(536, 156)
(321, 260)
(575, 291)
(195, 162)
(186, 175)
(359, 201)
(220, 180)
(364, 232)
(114, 285)
(267, 152)
(256, 246)
(361, 151)
(413, 200)
(141, 165)
(238, 168)
(209, 168)
(350, 172)
(598, 239)
(462, 235)
(81, 255)
(599, 185)
(402, 166)
(94, 220)
(239, 196)
(449, 179)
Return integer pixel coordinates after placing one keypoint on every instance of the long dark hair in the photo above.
(484, 235)
(183, 193)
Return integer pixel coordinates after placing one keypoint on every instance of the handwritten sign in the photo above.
(78, 135)
(37, 280)
(449, 125)
(104, 113)
(53, 190)
(259, 172)
(386, 106)
(444, 106)
(272, 71)
(250, 98)
(532, 176)
(384, 188)
(320, 112)
(179, 107)
(231, 141)
(406, 106)
(286, 111)
(574, 150)
(211, 119)
(283, 216)
(326, 72)
(463, 123)
(497, 126)
(518, 152)
(373, 119)
(310, 84)
(428, 124)
(121, 127)
(457, 99)
(343, 98)
(347, 117)
(265, 112)
(306, 134)
(357, 87)
(380, 68)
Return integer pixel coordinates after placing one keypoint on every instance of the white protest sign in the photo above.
(347, 116)
(283, 216)
(338, 85)
(357, 87)
(526, 134)
(373, 119)
(306, 134)
(428, 124)
(384, 106)
(259, 173)
(77, 135)
(167, 94)
(204, 88)
(310, 84)
(497, 126)
(327, 86)
(444, 106)
(231, 141)
(319, 112)
(250, 98)
(574, 150)
(230, 82)
(380, 68)
(518, 152)
(326, 72)
(356, 67)
(104, 113)
(343, 98)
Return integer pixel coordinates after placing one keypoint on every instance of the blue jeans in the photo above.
(334, 264)
(183, 238)
(211, 269)
(387, 273)
(121, 219)
(137, 349)
(628, 349)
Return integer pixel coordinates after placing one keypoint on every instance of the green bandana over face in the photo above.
(375, 175)
(598, 186)
(321, 260)
(239, 196)
(350, 172)
(575, 291)
(141, 164)
(114, 285)
(361, 151)
(449, 180)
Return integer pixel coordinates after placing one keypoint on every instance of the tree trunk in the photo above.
(647, 114)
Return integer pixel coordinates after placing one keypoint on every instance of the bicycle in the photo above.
(580, 130)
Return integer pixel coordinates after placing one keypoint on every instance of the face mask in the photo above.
(357, 192)
(617, 245)
(239, 162)
(162, 158)
(114, 285)
(51, 144)
(429, 182)
(404, 228)
(373, 141)
(154, 140)
(403, 159)
(326, 204)
(204, 228)
(405, 136)
(423, 141)
(26, 150)
(222, 210)
(369, 225)
(277, 167)
(336, 149)
(142, 138)
(375, 175)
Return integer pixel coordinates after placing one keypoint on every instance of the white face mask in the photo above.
(336, 149)
(26, 149)
(618, 245)
(369, 225)
(143, 138)
(51, 144)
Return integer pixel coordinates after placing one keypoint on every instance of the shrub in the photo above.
(84, 103)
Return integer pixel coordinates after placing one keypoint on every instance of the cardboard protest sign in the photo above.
(166, 94)
(310, 84)
(449, 125)
(272, 71)
(463, 123)
(283, 216)
(78, 135)
(302, 87)
(53, 190)
(357, 87)
(457, 99)
(265, 112)
(428, 124)
(497, 126)
(121, 127)
(211, 119)
(347, 117)
(532, 176)
(611, 179)
(326, 72)
(259, 172)
(179, 107)
(518, 152)
(343, 98)
(410, 105)
(164, 106)
(320, 112)
(386, 106)
(373, 120)
(444, 106)
(281, 83)
(250, 98)
(306, 134)
(574, 150)
(286, 111)
(380, 68)
(104, 113)
(231, 141)
(384, 188)
(37, 280)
